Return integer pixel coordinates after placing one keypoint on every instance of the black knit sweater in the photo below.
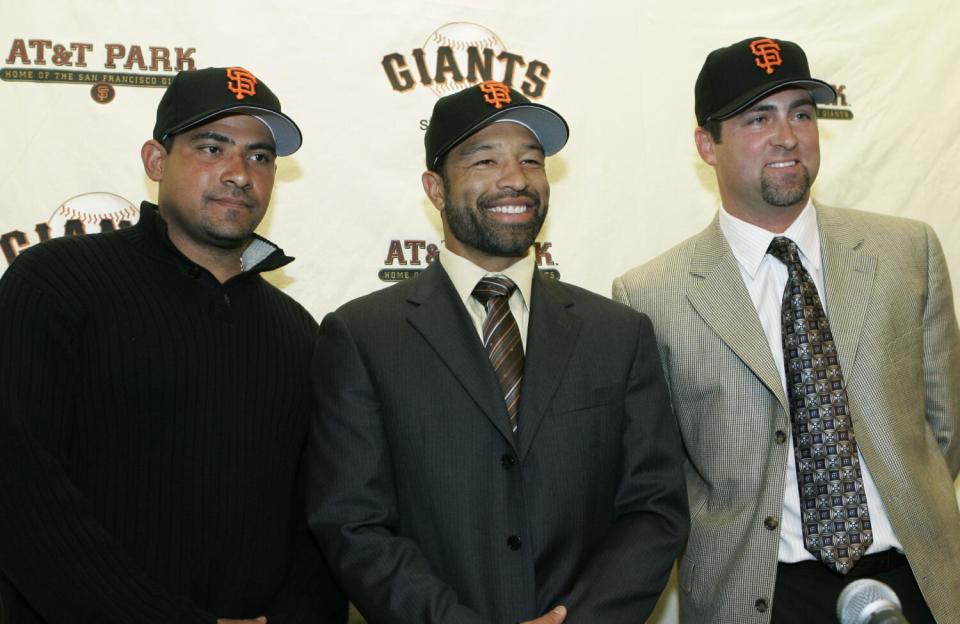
(152, 422)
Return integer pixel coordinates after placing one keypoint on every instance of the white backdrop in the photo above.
(628, 185)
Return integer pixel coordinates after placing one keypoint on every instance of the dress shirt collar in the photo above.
(465, 274)
(749, 242)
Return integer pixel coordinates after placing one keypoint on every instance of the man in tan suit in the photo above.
(863, 415)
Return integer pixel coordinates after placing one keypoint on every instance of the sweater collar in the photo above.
(259, 256)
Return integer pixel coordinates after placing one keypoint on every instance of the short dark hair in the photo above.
(167, 142)
(713, 127)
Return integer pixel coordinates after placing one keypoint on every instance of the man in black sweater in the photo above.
(153, 395)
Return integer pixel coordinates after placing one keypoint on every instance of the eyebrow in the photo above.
(210, 135)
(479, 147)
(797, 103)
(803, 101)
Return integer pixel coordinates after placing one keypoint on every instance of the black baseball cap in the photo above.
(197, 96)
(735, 77)
(457, 116)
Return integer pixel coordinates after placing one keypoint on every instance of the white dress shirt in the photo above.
(765, 278)
(465, 274)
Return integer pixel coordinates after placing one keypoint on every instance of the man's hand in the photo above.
(260, 620)
(558, 615)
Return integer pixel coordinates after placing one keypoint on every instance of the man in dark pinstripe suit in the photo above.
(715, 300)
(430, 507)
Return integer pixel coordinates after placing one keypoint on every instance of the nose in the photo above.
(785, 136)
(513, 176)
(236, 172)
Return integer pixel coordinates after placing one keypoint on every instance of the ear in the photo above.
(154, 156)
(705, 146)
(433, 187)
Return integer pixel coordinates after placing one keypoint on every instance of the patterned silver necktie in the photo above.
(501, 339)
(833, 504)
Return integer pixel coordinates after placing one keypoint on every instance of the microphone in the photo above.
(866, 601)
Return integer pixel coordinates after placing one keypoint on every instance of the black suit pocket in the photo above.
(576, 399)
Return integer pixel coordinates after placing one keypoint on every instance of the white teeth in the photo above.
(781, 165)
(509, 209)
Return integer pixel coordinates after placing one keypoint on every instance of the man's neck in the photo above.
(223, 263)
(774, 219)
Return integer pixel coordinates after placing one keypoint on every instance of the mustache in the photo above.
(235, 194)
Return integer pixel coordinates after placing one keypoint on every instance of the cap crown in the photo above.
(734, 77)
(194, 97)
(455, 117)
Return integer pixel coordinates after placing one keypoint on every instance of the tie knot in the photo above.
(493, 286)
(784, 250)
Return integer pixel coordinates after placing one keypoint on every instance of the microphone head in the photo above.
(861, 599)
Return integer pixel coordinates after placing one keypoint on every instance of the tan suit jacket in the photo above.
(890, 304)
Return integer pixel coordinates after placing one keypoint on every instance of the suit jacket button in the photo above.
(771, 523)
(761, 605)
(507, 461)
(780, 436)
(514, 542)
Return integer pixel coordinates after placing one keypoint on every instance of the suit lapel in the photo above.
(717, 293)
(551, 336)
(848, 279)
(438, 314)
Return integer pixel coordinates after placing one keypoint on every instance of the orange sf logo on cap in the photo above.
(240, 82)
(495, 93)
(767, 52)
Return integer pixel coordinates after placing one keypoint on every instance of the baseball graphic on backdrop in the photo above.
(91, 210)
(459, 36)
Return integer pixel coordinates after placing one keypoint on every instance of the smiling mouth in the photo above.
(783, 165)
(509, 209)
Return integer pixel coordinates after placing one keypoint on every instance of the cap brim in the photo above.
(286, 134)
(549, 127)
(820, 91)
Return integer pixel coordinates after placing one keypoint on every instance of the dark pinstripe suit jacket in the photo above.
(891, 308)
(427, 507)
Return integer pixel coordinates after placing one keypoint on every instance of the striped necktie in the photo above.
(501, 339)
